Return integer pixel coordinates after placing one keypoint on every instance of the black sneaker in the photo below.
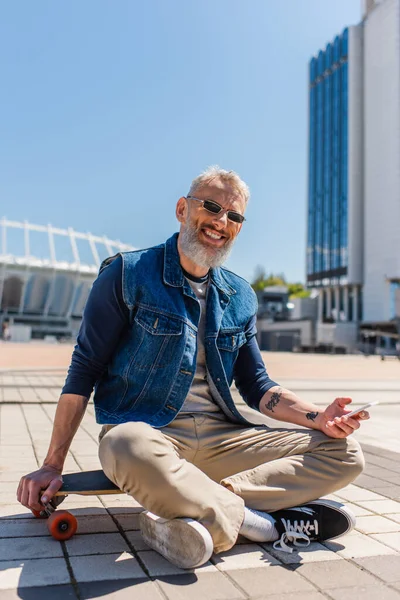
(313, 522)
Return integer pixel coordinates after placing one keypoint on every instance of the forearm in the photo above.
(283, 405)
(69, 414)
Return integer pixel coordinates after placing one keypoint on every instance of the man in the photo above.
(164, 334)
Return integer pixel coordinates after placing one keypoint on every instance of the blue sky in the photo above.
(110, 109)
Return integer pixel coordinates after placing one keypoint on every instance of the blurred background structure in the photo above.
(44, 286)
(353, 261)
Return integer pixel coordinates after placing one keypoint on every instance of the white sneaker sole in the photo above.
(184, 542)
(346, 512)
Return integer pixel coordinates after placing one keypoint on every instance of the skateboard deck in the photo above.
(87, 483)
(62, 524)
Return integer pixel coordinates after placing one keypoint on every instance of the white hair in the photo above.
(215, 172)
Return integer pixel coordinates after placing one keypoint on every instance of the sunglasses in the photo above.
(215, 209)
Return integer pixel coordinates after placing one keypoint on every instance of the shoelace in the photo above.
(296, 532)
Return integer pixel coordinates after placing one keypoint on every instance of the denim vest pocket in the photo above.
(156, 340)
(228, 344)
(230, 341)
(157, 333)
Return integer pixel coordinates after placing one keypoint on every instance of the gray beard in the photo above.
(203, 257)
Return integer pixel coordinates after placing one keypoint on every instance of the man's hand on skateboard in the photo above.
(37, 489)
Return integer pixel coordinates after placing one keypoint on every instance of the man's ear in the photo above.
(181, 210)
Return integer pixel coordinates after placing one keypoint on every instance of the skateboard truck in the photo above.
(61, 524)
(49, 507)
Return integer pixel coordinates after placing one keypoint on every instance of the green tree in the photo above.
(261, 281)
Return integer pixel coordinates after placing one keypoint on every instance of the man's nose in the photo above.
(221, 218)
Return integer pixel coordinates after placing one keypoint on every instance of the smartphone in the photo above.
(361, 408)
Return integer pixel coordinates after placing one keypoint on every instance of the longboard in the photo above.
(62, 524)
(87, 483)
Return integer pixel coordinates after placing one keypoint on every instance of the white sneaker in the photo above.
(184, 542)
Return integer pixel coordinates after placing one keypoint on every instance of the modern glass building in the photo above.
(353, 231)
(327, 248)
(335, 213)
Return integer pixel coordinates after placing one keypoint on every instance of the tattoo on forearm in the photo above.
(311, 416)
(274, 401)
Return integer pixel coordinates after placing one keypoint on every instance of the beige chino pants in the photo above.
(204, 467)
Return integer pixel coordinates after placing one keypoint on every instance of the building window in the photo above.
(351, 304)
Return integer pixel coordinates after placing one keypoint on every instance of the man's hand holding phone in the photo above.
(338, 421)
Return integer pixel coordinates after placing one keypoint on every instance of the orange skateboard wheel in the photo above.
(37, 514)
(62, 525)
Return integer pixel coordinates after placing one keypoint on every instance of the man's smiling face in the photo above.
(206, 239)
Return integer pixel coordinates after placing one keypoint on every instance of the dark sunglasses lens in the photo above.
(212, 207)
(236, 217)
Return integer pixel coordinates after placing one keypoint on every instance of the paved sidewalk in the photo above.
(108, 559)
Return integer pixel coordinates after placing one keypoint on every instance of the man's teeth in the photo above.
(214, 236)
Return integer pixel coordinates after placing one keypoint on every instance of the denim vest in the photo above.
(153, 367)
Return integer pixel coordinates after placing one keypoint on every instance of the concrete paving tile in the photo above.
(358, 545)
(358, 494)
(382, 507)
(15, 511)
(11, 476)
(367, 481)
(106, 567)
(27, 547)
(394, 517)
(23, 466)
(9, 486)
(125, 510)
(28, 395)
(88, 464)
(128, 522)
(389, 491)
(366, 593)
(358, 511)
(96, 524)
(386, 463)
(294, 596)
(380, 473)
(101, 543)
(10, 451)
(246, 556)
(45, 395)
(87, 447)
(390, 539)
(123, 589)
(61, 592)
(85, 511)
(315, 552)
(14, 528)
(77, 501)
(278, 580)
(22, 441)
(376, 524)
(135, 538)
(386, 568)
(11, 395)
(120, 501)
(328, 575)
(31, 573)
(158, 566)
(212, 586)
(8, 497)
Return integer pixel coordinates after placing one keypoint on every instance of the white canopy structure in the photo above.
(46, 274)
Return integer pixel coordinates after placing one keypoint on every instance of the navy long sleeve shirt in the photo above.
(104, 320)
